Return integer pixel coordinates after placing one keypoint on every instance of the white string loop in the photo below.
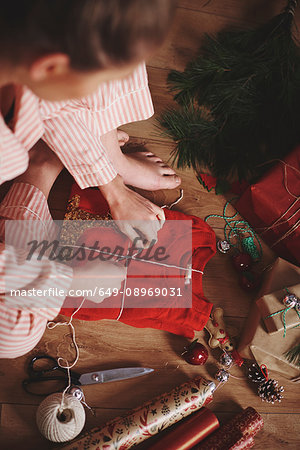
(62, 362)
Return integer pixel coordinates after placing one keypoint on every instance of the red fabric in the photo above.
(270, 208)
(176, 319)
(210, 182)
(91, 200)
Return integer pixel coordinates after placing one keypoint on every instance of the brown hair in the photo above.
(94, 33)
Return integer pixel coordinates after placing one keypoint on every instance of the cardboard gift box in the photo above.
(270, 306)
(272, 207)
(256, 342)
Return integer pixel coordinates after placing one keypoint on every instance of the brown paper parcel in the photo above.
(267, 348)
(281, 274)
(272, 303)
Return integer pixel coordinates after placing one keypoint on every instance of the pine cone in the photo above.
(255, 374)
(270, 392)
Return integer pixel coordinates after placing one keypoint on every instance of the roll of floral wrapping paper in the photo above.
(243, 443)
(147, 420)
(229, 436)
(189, 432)
(248, 421)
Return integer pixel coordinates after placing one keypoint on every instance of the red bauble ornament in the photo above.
(196, 354)
(249, 281)
(241, 261)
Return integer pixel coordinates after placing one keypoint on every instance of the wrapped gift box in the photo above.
(271, 304)
(272, 207)
(256, 342)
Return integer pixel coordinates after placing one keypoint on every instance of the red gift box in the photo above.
(272, 207)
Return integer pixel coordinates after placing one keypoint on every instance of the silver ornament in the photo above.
(222, 375)
(76, 392)
(290, 300)
(223, 246)
(226, 359)
(212, 386)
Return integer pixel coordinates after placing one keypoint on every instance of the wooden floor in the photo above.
(109, 344)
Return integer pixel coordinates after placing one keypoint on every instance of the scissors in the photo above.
(47, 377)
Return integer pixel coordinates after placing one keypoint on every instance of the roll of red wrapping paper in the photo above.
(187, 434)
(245, 424)
(149, 419)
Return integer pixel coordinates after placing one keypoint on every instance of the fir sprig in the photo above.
(293, 355)
(238, 102)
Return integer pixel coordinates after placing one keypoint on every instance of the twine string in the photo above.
(134, 257)
(284, 311)
(176, 201)
(290, 231)
(285, 179)
(62, 362)
(123, 296)
(236, 228)
(238, 378)
(280, 219)
(51, 325)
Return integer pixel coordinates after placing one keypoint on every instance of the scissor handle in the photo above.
(40, 375)
(29, 382)
(33, 371)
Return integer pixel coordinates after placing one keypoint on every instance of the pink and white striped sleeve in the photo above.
(27, 130)
(73, 129)
(22, 203)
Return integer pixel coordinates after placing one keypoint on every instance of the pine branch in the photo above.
(293, 355)
(193, 131)
(238, 101)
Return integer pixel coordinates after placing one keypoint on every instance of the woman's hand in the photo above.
(96, 280)
(137, 217)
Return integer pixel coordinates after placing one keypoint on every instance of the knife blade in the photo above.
(106, 376)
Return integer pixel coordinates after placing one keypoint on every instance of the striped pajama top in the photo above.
(72, 129)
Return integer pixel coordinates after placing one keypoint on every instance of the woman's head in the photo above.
(88, 36)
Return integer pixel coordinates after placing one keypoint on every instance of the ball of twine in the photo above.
(60, 419)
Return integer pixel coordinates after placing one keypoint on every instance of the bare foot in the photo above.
(147, 171)
(139, 169)
(44, 167)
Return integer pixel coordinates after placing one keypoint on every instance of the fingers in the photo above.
(128, 229)
(138, 218)
(144, 232)
(155, 222)
(149, 230)
(161, 217)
